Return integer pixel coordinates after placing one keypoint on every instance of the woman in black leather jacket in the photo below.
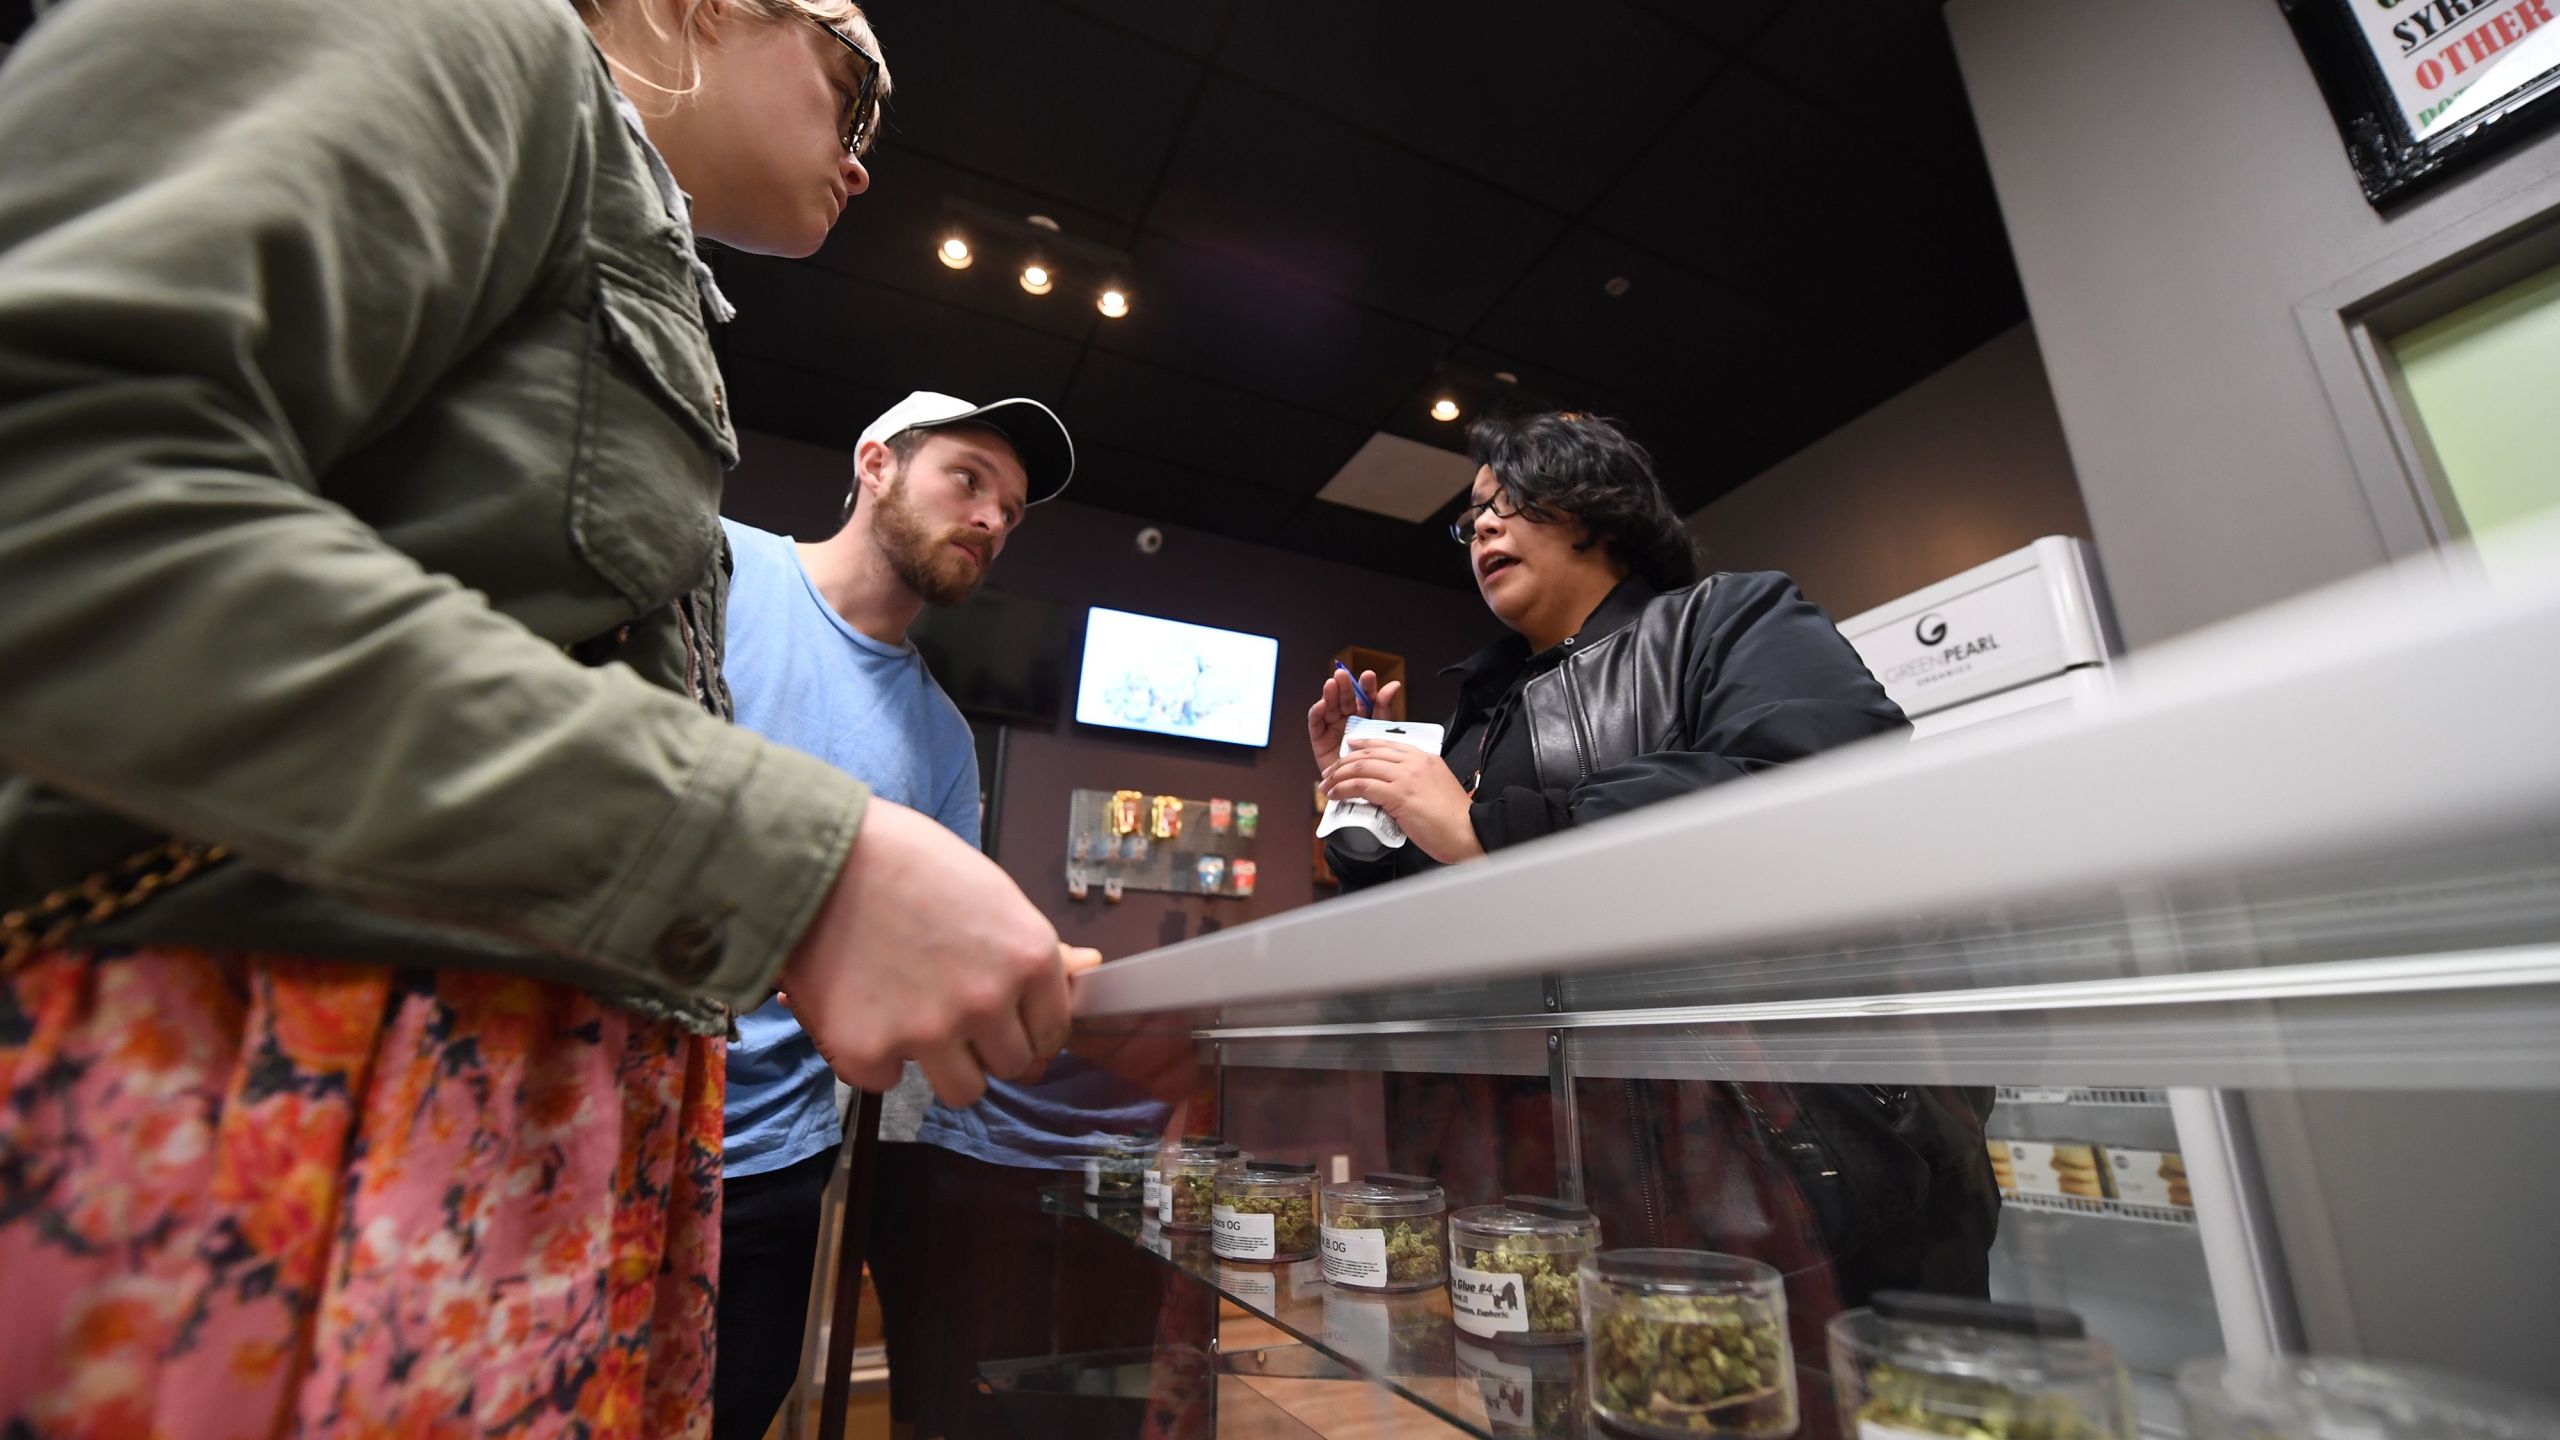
(1628, 679)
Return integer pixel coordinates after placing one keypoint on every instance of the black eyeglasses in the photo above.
(1463, 529)
(856, 130)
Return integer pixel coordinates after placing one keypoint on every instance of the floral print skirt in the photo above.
(259, 1196)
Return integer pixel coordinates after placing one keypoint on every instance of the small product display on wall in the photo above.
(1123, 840)
(2419, 90)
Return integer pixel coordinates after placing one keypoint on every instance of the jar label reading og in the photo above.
(1093, 1177)
(1152, 1196)
(1241, 1237)
(1488, 1302)
(1355, 1257)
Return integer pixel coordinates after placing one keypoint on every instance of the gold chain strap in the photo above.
(51, 921)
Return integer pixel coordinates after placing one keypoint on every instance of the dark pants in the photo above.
(768, 1249)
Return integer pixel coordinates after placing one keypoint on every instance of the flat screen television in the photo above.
(1167, 677)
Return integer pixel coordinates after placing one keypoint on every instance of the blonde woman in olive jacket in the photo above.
(377, 864)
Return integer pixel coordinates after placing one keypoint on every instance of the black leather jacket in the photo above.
(1659, 695)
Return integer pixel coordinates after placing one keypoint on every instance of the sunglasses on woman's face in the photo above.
(861, 120)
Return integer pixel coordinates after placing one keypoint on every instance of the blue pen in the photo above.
(1367, 706)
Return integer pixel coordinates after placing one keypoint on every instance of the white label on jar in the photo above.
(1242, 1237)
(1257, 1289)
(1878, 1430)
(1164, 1203)
(1488, 1302)
(1152, 1196)
(1093, 1178)
(1355, 1257)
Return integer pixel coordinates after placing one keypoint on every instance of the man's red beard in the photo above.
(922, 557)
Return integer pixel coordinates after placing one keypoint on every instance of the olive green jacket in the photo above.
(351, 374)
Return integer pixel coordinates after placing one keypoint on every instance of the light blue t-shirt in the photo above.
(805, 678)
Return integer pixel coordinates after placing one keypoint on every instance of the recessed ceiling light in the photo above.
(1444, 409)
(1616, 286)
(1506, 377)
(955, 253)
(1112, 303)
(1037, 279)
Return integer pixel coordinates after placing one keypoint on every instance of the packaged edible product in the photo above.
(1925, 1365)
(1190, 1173)
(1512, 1265)
(1689, 1342)
(1264, 1210)
(2148, 1177)
(1385, 1232)
(2062, 1168)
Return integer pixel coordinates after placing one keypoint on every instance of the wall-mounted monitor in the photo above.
(1168, 677)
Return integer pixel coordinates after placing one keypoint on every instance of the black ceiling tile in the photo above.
(1892, 70)
(1726, 23)
(1176, 417)
(1785, 202)
(1376, 542)
(1026, 91)
(1239, 325)
(1190, 26)
(822, 321)
(1496, 87)
(1672, 338)
(1149, 489)
(889, 237)
(1266, 180)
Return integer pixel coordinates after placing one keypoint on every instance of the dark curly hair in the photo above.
(1573, 465)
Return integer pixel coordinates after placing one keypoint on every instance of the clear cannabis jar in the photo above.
(2295, 1397)
(1190, 1170)
(1264, 1210)
(1385, 1232)
(1924, 1365)
(1688, 1342)
(1512, 1267)
(1116, 1173)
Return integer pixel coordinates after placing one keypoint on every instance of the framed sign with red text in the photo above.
(2424, 88)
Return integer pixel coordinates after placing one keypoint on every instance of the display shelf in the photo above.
(2102, 1209)
(2082, 1095)
(1406, 1343)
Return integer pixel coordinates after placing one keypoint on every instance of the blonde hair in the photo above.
(692, 22)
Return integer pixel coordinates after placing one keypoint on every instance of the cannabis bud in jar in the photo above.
(1385, 1232)
(1187, 1177)
(1264, 1210)
(1512, 1272)
(1935, 1365)
(1689, 1342)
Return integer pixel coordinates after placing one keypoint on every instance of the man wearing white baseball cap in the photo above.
(818, 659)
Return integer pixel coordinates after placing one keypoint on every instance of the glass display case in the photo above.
(1975, 1087)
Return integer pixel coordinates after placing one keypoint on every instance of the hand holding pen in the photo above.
(1345, 695)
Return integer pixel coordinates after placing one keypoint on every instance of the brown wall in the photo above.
(1963, 467)
(1082, 556)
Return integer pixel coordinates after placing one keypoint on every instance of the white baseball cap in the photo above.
(1039, 437)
